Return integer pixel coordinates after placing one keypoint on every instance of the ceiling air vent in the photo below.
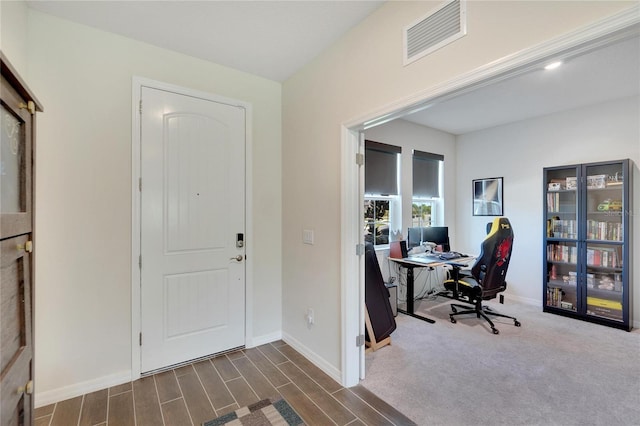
(436, 30)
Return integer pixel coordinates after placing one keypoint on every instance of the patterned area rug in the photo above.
(262, 413)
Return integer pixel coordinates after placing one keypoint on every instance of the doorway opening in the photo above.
(602, 34)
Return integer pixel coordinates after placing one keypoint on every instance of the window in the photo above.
(421, 213)
(377, 221)
(427, 187)
(381, 204)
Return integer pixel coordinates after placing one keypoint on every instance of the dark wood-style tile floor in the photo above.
(195, 393)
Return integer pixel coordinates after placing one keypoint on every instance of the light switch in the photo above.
(307, 236)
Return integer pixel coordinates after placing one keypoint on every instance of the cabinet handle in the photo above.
(28, 388)
(28, 246)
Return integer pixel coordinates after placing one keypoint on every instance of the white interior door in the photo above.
(192, 211)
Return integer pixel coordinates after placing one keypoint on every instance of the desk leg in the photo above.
(410, 308)
(410, 291)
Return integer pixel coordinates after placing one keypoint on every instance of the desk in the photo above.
(412, 262)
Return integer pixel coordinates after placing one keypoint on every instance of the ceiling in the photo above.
(271, 39)
(274, 39)
(605, 74)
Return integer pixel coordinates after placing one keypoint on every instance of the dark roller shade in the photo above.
(426, 177)
(381, 168)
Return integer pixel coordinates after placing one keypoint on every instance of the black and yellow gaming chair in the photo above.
(488, 274)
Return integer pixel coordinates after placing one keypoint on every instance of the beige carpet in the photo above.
(551, 371)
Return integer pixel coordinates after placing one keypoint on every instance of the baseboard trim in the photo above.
(71, 391)
(77, 389)
(524, 300)
(264, 339)
(318, 361)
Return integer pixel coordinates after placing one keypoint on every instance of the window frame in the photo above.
(433, 203)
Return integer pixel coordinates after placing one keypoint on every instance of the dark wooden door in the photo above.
(16, 356)
(17, 109)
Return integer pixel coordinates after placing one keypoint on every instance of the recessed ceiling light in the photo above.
(553, 65)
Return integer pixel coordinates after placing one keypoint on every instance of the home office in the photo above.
(518, 152)
(471, 155)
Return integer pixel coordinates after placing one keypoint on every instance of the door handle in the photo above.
(238, 258)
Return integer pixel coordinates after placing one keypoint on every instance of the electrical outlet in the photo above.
(309, 316)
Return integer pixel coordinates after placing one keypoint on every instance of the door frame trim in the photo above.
(136, 312)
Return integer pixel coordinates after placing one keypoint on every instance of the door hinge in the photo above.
(140, 184)
(140, 261)
(360, 159)
(140, 106)
(29, 106)
(140, 339)
(359, 249)
(360, 340)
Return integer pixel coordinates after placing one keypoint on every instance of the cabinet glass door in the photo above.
(604, 237)
(15, 167)
(11, 164)
(562, 275)
(562, 238)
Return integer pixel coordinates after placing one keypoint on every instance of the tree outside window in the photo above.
(376, 221)
(421, 213)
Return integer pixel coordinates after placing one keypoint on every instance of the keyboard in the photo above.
(449, 255)
(436, 257)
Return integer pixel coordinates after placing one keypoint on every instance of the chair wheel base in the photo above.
(516, 323)
(453, 320)
(495, 331)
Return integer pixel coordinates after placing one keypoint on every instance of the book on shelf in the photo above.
(607, 257)
(562, 253)
(604, 307)
(553, 201)
(563, 228)
(554, 296)
(598, 230)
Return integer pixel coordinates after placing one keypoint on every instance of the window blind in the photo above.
(426, 174)
(381, 168)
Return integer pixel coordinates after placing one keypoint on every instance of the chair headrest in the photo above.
(495, 252)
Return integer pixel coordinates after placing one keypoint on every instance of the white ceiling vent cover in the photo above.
(436, 30)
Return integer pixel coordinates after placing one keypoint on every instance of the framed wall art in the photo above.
(487, 197)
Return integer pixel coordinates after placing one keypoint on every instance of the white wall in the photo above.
(363, 73)
(83, 190)
(609, 131)
(13, 33)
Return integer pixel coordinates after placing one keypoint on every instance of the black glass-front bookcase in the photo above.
(587, 242)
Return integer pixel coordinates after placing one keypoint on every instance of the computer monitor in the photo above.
(438, 235)
(414, 237)
(434, 234)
